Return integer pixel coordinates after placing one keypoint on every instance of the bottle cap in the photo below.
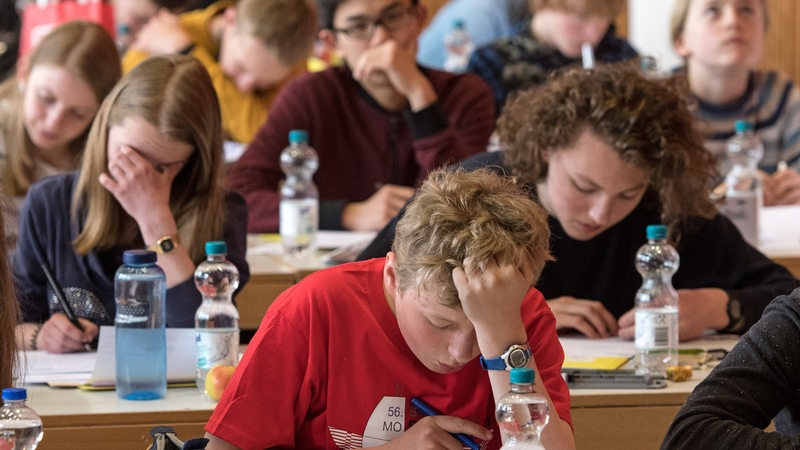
(743, 125)
(11, 394)
(139, 257)
(298, 136)
(216, 248)
(459, 24)
(656, 231)
(522, 375)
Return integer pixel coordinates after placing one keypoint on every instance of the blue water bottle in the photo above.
(140, 288)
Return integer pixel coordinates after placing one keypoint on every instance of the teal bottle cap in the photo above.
(522, 375)
(743, 125)
(656, 231)
(298, 136)
(216, 248)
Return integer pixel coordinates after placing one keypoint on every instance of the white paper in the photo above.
(270, 244)
(98, 368)
(180, 357)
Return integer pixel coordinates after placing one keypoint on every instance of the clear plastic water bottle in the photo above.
(656, 325)
(743, 192)
(124, 38)
(216, 322)
(299, 207)
(458, 47)
(522, 413)
(140, 289)
(20, 426)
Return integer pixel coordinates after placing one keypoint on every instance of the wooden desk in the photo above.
(73, 418)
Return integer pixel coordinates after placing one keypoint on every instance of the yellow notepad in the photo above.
(599, 363)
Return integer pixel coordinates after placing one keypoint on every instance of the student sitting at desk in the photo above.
(150, 177)
(250, 49)
(722, 42)
(341, 354)
(758, 381)
(379, 123)
(608, 152)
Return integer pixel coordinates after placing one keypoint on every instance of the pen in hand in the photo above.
(62, 300)
(428, 410)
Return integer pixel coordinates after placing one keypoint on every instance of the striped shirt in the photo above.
(772, 104)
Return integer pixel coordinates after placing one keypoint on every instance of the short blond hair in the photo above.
(603, 8)
(681, 9)
(458, 215)
(287, 27)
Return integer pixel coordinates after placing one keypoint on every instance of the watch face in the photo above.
(166, 245)
(518, 358)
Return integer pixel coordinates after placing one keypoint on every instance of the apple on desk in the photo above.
(217, 379)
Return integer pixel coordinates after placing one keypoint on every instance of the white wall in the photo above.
(648, 30)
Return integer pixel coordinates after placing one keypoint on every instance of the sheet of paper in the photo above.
(43, 367)
(270, 244)
(180, 356)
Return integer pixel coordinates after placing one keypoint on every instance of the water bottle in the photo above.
(299, 207)
(522, 413)
(20, 426)
(216, 322)
(656, 326)
(458, 48)
(124, 38)
(743, 192)
(140, 289)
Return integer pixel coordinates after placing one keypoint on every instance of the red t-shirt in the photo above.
(328, 368)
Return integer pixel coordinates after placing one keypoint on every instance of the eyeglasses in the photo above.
(392, 21)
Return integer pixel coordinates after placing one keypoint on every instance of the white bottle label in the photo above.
(298, 220)
(652, 329)
(216, 346)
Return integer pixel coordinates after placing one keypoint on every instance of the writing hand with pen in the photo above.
(59, 335)
(63, 332)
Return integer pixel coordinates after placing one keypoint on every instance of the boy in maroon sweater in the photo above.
(379, 124)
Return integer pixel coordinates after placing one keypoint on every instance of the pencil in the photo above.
(428, 410)
(62, 300)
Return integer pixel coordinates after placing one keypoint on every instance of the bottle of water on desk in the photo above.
(522, 413)
(656, 325)
(743, 195)
(217, 319)
(20, 426)
(140, 289)
(458, 48)
(299, 207)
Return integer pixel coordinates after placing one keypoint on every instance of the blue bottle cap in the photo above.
(743, 125)
(216, 248)
(298, 136)
(656, 231)
(139, 257)
(522, 375)
(12, 394)
(458, 23)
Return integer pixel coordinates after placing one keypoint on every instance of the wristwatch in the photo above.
(515, 356)
(165, 244)
(735, 317)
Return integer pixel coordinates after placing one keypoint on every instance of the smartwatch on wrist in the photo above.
(515, 356)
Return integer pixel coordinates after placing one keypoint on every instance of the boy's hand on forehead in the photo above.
(492, 296)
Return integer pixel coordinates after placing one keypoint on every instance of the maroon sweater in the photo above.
(360, 145)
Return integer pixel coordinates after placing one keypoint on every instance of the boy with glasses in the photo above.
(379, 123)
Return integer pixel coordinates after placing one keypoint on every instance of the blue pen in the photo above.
(428, 410)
